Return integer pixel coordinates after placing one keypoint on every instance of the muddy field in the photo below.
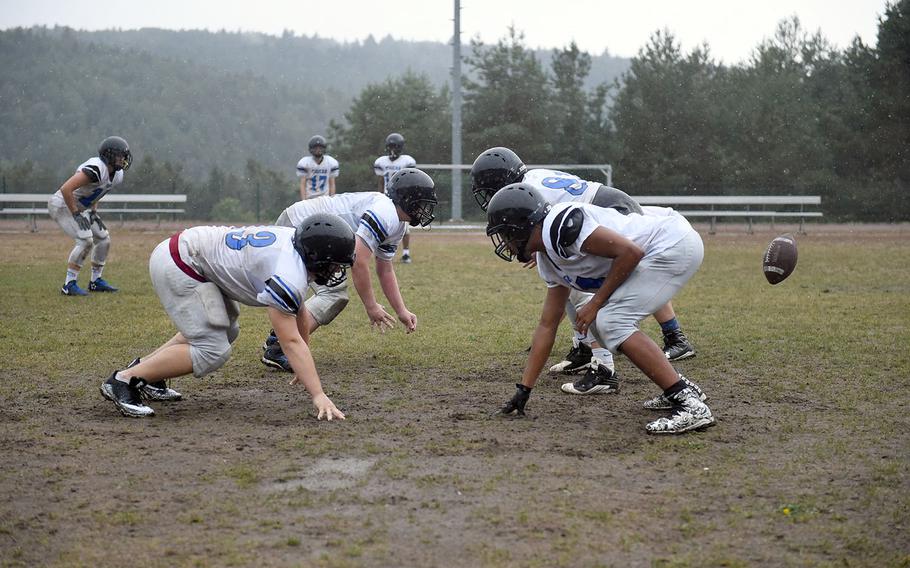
(808, 464)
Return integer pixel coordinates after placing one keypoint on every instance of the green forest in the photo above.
(224, 116)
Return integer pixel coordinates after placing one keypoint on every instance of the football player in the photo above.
(379, 222)
(632, 264)
(200, 276)
(498, 167)
(387, 166)
(75, 208)
(317, 172)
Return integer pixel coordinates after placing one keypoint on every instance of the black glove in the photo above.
(96, 219)
(518, 401)
(84, 224)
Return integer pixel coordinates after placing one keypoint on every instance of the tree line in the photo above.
(799, 117)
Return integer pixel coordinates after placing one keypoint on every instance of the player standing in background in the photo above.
(74, 208)
(379, 222)
(498, 167)
(201, 274)
(386, 167)
(317, 172)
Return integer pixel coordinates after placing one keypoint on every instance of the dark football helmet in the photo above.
(394, 145)
(114, 147)
(511, 216)
(317, 146)
(326, 244)
(493, 170)
(414, 191)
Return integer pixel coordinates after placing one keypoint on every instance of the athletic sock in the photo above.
(96, 272)
(578, 338)
(71, 275)
(604, 357)
(675, 388)
(405, 252)
(669, 326)
(120, 377)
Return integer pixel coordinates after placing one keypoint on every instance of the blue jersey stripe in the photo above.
(289, 290)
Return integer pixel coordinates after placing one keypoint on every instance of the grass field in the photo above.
(808, 464)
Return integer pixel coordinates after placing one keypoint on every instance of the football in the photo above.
(780, 259)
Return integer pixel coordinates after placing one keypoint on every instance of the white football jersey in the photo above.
(559, 187)
(317, 174)
(101, 183)
(370, 214)
(386, 167)
(567, 225)
(257, 266)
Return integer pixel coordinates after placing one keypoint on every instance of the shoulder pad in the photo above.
(565, 229)
(93, 172)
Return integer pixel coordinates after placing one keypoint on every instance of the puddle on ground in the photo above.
(325, 474)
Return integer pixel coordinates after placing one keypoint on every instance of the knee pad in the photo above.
(209, 359)
(232, 307)
(81, 251)
(233, 331)
(102, 246)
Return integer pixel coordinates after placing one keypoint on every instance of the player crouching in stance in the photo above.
(74, 208)
(202, 273)
(379, 222)
(634, 264)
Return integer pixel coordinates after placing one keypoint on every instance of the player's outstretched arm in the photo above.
(389, 284)
(541, 345)
(286, 328)
(360, 274)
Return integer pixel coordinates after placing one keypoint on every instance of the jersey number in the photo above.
(318, 182)
(572, 185)
(236, 240)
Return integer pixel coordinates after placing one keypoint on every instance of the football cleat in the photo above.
(101, 285)
(72, 288)
(160, 391)
(406, 259)
(272, 339)
(126, 396)
(157, 390)
(689, 413)
(677, 346)
(577, 360)
(662, 402)
(275, 358)
(598, 379)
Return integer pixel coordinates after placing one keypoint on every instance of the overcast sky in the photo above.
(732, 28)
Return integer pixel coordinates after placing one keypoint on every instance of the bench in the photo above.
(130, 205)
(739, 206)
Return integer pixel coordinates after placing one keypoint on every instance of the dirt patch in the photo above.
(807, 465)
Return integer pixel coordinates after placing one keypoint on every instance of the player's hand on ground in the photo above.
(518, 401)
(326, 408)
(96, 219)
(585, 317)
(531, 263)
(409, 320)
(380, 319)
(83, 222)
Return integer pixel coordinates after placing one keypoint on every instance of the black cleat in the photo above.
(578, 359)
(677, 346)
(275, 358)
(126, 397)
(598, 379)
